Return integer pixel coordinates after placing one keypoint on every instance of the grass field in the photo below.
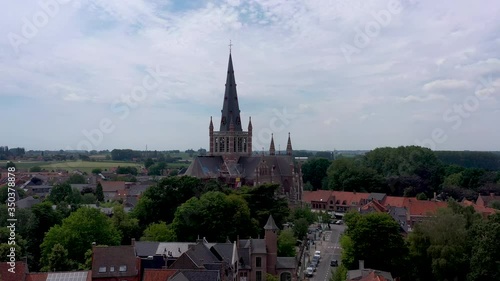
(84, 166)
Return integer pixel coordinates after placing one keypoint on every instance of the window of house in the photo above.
(258, 275)
(258, 262)
(111, 269)
(123, 268)
(102, 269)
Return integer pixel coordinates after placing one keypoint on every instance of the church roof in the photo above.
(270, 225)
(230, 107)
(205, 166)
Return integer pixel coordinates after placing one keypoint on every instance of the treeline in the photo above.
(455, 244)
(471, 159)
(402, 171)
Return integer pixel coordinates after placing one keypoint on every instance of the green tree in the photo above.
(314, 170)
(76, 179)
(99, 194)
(485, 253)
(339, 274)
(58, 259)
(148, 163)
(286, 243)
(303, 212)
(447, 244)
(349, 174)
(370, 245)
(300, 228)
(45, 217)
(421, 196)
(159, 232)
(59, 193)
(262, 201)
(35, 169)
(10, 164)
(128, 227)
(215, 216)
(270, 277)
(77, 233)
(88, 198)
(96, 171)
(160, 201)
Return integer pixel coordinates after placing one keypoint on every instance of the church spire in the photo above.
(230, 107)
(272, 151)
(289, 145)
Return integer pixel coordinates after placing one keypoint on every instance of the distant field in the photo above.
(84, 166)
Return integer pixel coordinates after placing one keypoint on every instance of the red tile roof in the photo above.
(350, 197)
(393, 201)
(316, 196)
(20, 271)
(422, 207)
(37, 277)
(375, 205)
(485, 211)
(110, 186)
(372, 276)
(151, 274)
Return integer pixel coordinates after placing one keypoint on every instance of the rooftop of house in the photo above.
(114, 261)
(196, 275)
(112, 186)
(422, 207)
(349, 198)
(488, 198)
(285, 263)
(21, 269)
(366, 274)
(316, 196)
(151, 274)
(60, 276)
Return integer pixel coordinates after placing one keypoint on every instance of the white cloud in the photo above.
(285, 54)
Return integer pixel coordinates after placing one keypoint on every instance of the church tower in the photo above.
(271, 240)
(230, 141)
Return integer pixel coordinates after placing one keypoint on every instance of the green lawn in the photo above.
(84, 166)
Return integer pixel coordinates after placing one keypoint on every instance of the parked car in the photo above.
(309, 272)
(334, 263)
(313, 265)
(317, 253)
(316, 259)
(339, 222)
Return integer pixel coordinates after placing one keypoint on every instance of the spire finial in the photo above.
(230, 45)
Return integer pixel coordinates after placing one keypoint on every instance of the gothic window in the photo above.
(258, 275)
(222, 143)
(244, 144)
(216, 144)
(258, 262)
(240, 144)
(227, 144)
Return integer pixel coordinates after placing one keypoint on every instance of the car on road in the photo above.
(316, 259)
(317, 253)
(334, 263)
(314, 265)
(309, 272)
(339, 222)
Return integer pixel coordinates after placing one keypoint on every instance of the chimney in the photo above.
(434, 196)
(361, 264)
(133, 242)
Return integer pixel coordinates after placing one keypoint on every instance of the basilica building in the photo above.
(232, 160)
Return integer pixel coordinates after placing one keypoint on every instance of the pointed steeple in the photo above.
(270, 225)
(272, 150)
(289, 145)
(211, 126)
(250, 127)
(230, 107)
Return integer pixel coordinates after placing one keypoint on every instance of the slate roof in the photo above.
(201, 255)
(259, 246)
(145, 248)
(244, 260)
(377, 196)
(176, 248)
(230, 107)
(27, 202)
(137, 189)
(270, 225)
(197, 275)
(205, 167)
(224, 251)
(151, 274)
(114, 256)
(285, 263)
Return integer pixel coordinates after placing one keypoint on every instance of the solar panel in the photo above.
(67, 276)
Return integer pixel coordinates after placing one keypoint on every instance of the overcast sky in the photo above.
(336, 74)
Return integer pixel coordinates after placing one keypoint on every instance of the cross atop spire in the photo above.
(230, 45)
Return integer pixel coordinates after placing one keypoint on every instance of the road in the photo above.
(330, 249)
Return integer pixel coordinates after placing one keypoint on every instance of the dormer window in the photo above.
(123, 268)
(111, 269)
(102, 269)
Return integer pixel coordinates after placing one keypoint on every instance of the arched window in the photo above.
(285, 276)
